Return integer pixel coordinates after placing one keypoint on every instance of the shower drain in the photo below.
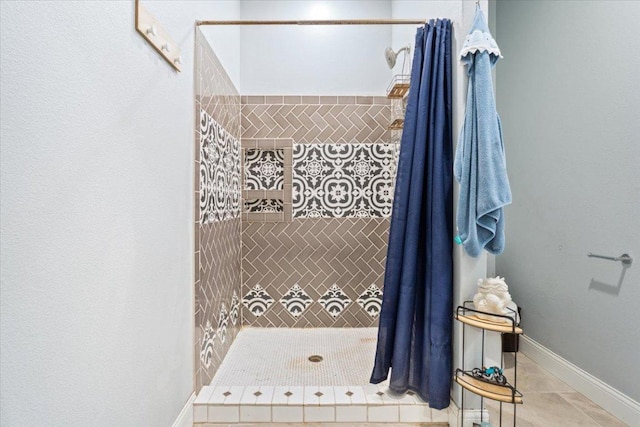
(315, 358)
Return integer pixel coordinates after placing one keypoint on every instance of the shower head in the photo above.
(391, 56)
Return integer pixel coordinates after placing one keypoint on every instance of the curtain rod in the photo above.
(319, 22)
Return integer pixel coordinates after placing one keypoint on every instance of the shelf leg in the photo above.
(515, 382)
(461, 412)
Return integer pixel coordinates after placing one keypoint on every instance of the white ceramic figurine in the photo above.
(493, 297)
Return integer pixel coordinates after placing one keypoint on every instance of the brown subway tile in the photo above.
(262, 133)
(381, 100)
(292, 99)
(255, 100)
(196, 205)
(288, 132)
(280, 120)
(255, 217)
(288, 175)
(346, 100)
(196, 176)
(328, 100)
(287, 192)
(196, 238)
(253, 194)
(266, 144)
(273, 217)
(248, 144)
(288, 156)
(273, 99)
(274, 194)
(310, 100)
(283, 143)
(364, 100)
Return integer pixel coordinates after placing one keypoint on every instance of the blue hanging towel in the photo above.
(480, 165)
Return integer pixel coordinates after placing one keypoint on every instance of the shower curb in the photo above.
(326, 404)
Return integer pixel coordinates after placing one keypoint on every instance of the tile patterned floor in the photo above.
(548, 401)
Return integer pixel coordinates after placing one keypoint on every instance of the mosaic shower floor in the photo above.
(280, 357)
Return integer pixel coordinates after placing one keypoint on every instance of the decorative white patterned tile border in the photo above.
(219, 172)
(206, 351)
(343, 180)
(334, 301)
(371, 300)
(257, 301)
(296, 301)
(223, 321)
(235, 309)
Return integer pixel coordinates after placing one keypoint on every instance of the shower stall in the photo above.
(293, 197)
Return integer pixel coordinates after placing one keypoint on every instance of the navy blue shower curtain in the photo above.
(414, 335)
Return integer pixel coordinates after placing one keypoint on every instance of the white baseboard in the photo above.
(185, 417)
(610, 399)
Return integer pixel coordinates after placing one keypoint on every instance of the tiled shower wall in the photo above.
(217, 213)
(325, 266)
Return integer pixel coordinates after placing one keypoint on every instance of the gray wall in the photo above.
(96, 214)
(569, 95)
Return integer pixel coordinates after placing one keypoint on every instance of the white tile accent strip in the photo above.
(328, 395)
(281, 404)
(351, 414)
(311, 398)
(200, 404)
(297, 395)
(254, 413)
(415, 414)
(266, 395)
(358, 397)
(319, 414)
(441, 416)
(287, 414)
(223, 414)
(383, 414)
(279, 396)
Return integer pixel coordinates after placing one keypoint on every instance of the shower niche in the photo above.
(267, 180)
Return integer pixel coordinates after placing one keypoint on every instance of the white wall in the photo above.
(225, 39)
(96, 215)
(569, 92)
(403, 35)
(314, 60)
